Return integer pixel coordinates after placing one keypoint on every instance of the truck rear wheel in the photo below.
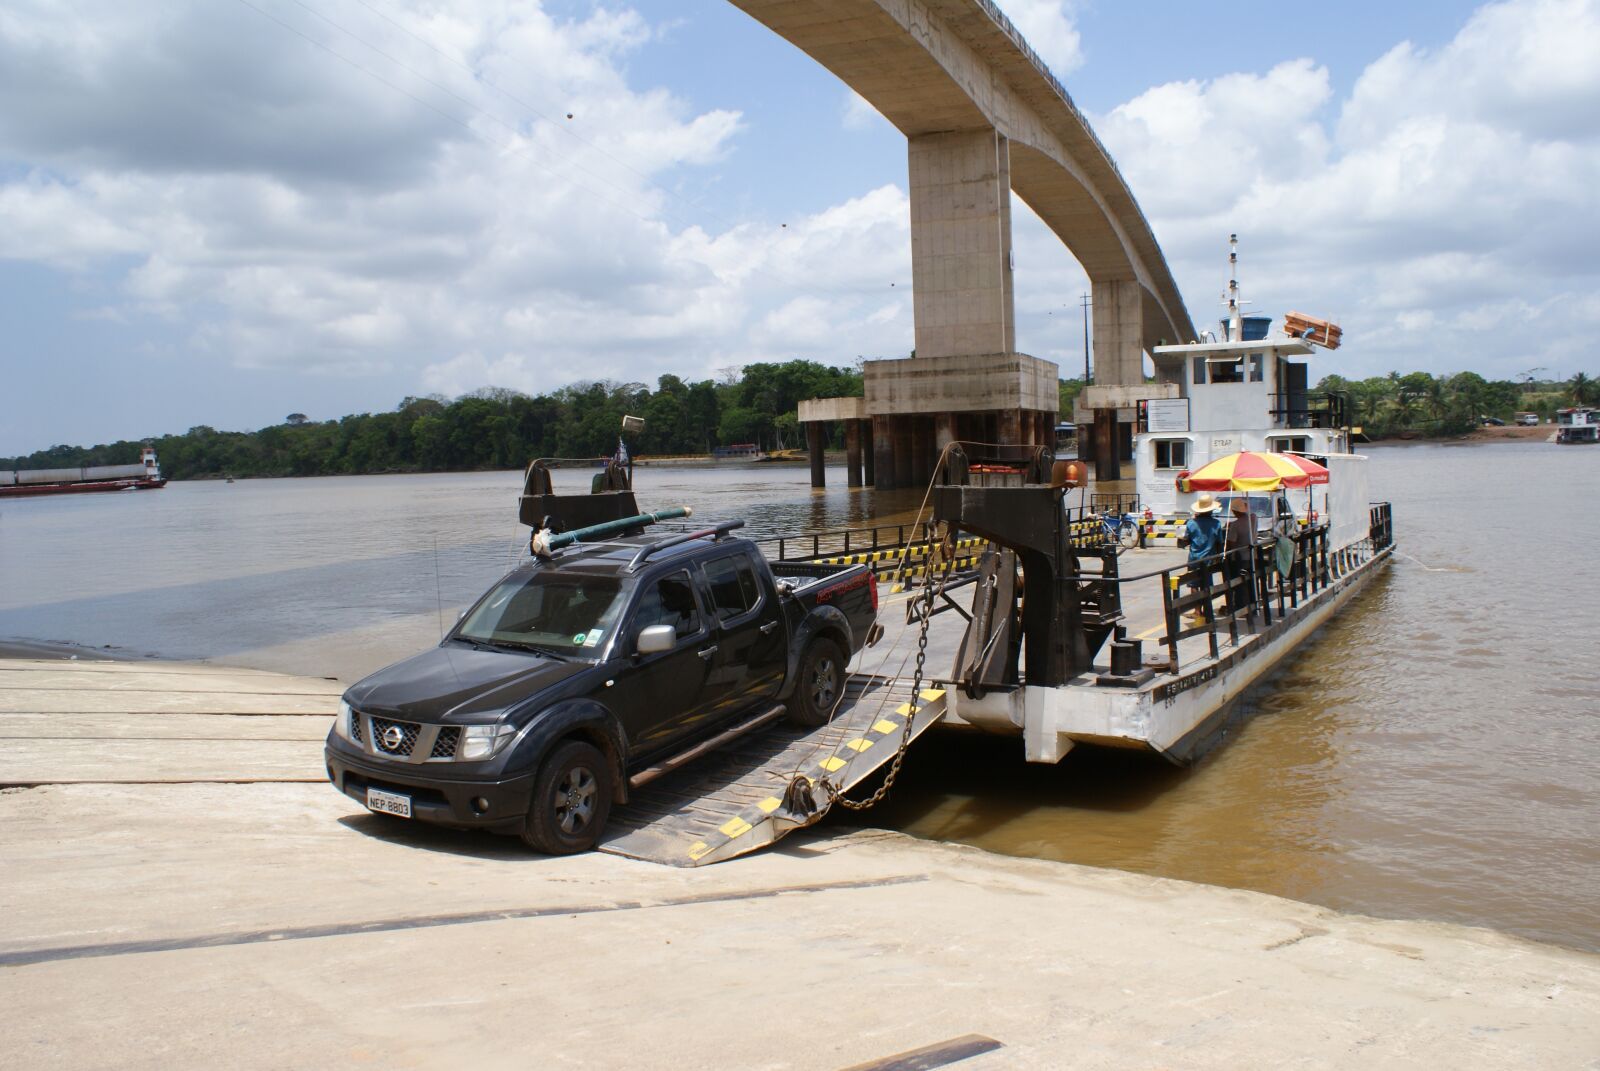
(571, 800)
(821, 683)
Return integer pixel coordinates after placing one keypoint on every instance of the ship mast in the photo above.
(1235, 324)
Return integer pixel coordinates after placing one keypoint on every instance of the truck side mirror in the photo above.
(657, 638)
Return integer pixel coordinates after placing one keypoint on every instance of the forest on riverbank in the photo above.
(493, 428)
(503, 429)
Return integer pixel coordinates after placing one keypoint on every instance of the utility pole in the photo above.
(1085, 303)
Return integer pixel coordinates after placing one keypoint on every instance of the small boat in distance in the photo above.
(144, 476)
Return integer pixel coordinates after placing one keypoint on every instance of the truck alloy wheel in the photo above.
(820, 683)
(571, 800)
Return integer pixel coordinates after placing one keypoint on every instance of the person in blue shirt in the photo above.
(1203, 535)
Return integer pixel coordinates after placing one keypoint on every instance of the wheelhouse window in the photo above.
(566, 612)
(1289, 444)
(1172, 453)
(1227, 370)
(733, 586)
(1257, 361)
(1199, 369)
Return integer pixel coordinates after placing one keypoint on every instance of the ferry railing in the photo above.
(1206, 596)
(885, 548)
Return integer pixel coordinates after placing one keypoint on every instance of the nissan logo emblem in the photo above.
(392, 737)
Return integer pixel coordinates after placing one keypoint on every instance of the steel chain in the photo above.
(833, 792)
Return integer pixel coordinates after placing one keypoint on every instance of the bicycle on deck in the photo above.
(1121, 529)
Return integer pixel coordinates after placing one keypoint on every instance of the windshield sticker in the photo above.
(593, 637)
(577, 641)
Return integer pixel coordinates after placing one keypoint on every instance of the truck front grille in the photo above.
(444, 745)
(384, 740)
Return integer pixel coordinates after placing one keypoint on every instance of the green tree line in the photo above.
(1452, 404)
(494, 428)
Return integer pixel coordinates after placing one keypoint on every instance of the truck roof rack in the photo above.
(716, 531)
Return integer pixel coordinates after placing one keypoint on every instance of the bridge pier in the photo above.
(816, 440)
(960, 185)
(852, 453)
(869, 452)
(882, 452)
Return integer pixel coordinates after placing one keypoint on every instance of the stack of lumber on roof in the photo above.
(1323, 333)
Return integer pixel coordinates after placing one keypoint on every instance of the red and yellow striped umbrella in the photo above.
(1251, 471)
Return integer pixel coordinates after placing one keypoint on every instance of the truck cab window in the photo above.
(563, 612)
(733, 586)
(669, 601)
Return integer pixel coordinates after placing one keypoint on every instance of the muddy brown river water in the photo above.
(1434, 753)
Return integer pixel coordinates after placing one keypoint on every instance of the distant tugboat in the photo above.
(145, 476)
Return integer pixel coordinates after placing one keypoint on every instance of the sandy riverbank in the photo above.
(1508, 434)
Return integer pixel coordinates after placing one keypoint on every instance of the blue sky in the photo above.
(222, 212)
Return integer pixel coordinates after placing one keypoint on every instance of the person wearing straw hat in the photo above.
(1203, 535)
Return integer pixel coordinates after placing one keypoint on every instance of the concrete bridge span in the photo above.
(983, 117)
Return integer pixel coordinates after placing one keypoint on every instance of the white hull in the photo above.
(1176, 715)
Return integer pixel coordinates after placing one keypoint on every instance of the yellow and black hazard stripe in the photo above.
(868, 557)
(885, 732)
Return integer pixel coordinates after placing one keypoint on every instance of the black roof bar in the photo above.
(716, 530)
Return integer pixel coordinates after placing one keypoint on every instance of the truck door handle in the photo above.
(707, 652)
(766, 630)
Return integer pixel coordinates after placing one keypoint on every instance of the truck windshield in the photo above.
(565, 614)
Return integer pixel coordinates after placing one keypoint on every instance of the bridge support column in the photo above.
(1010, 427)
(1118, 333)
(816, 439)
(903, 476)
(852, 453)
(944, 433)
(961, 243)
(882, 454)
(869, 457)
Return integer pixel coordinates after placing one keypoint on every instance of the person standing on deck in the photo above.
(1203, 536)
(1239, 544)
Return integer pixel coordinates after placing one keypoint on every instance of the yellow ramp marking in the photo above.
(885, 727)
(906, 708)
(770, 804)
(1150, 632)
(698, 848)
(735, 827)
(832, 763)
(858, 745)
(930, 694)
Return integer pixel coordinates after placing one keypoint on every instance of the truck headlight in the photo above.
(341, 724)
(484, 741)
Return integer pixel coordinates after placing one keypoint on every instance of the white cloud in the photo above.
(1047, 26)
(1455, 191)
(292, 213)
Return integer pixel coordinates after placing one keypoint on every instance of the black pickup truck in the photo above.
(572, 674)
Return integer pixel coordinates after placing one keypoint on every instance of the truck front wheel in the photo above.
(571, 800)
(821, 684)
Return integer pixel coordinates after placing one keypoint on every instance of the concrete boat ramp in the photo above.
(179, 889)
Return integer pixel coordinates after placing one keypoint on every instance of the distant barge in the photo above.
(85, 479)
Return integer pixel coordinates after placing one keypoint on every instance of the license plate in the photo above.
(388, 802)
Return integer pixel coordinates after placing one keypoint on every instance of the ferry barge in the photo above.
(1054, 648)
(85, 479)
(1577, 425)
